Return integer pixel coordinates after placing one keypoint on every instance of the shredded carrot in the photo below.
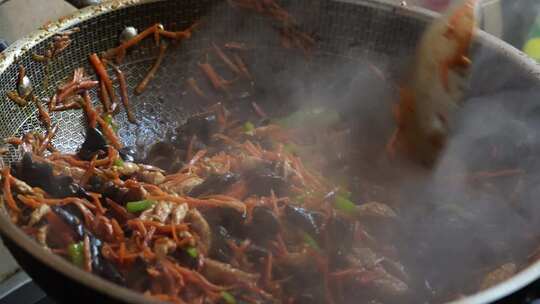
(197, 278)
(70, 159)
(47, 141)
(154, 190)
(200, 154)
(237, 46)
(153, 70)
(78, 76)
(122, 253)
(162, 228)
(173, 232)
(101, 71)
(178, 177)
(228, 62)
(226, 139)
(90, 171)
(7, 191)
(16, 141)
(14, 96)
(124, 96)
(32, 203)
(215, 79)
(104, 97)
(139, 225)
(87, 254)
(44, 116)
(249, 147)
(120, 210)
(91, 114)
(195, 87)
(60, 201)
(109, 133)
(67, 106)
(119, 52)
(242, 66)
(75, 88)
(118, 232)
(185, 34)
(211, 201)
(96, 200)
(112, 156)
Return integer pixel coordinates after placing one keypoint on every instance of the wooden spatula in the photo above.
(435, 86)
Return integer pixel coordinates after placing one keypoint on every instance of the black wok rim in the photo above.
(16, 235)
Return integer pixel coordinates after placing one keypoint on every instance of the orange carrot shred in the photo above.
(7, 191)
(91, 114)
(95, 199)
(228, 62)
(101, 71)
(124, 96)
(120, 51)
(87, 255)
(118, 232)
(122, 253)
(109, 133)
(90, 171)
(104, 97)
(153, 70)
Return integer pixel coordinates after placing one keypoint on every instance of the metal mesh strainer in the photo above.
(343, 30)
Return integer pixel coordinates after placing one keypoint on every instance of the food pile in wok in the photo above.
(236, 207)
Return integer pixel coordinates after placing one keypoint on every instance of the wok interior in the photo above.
(356, 43)
(342, 29)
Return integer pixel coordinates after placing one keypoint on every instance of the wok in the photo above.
(346, 30)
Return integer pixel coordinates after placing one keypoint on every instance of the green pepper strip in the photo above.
(76, 254)
(193, 252)
(229, 298)
(249, 128)
(344, 204)
(311, 242)
(118, 162)
(139, 206)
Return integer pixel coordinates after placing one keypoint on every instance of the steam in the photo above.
(452, 229)
(457, 222)
(470, 227)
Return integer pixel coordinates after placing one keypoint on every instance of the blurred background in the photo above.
(514, 21)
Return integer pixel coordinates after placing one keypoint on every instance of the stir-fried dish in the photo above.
(227, 211)
(238, 205)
